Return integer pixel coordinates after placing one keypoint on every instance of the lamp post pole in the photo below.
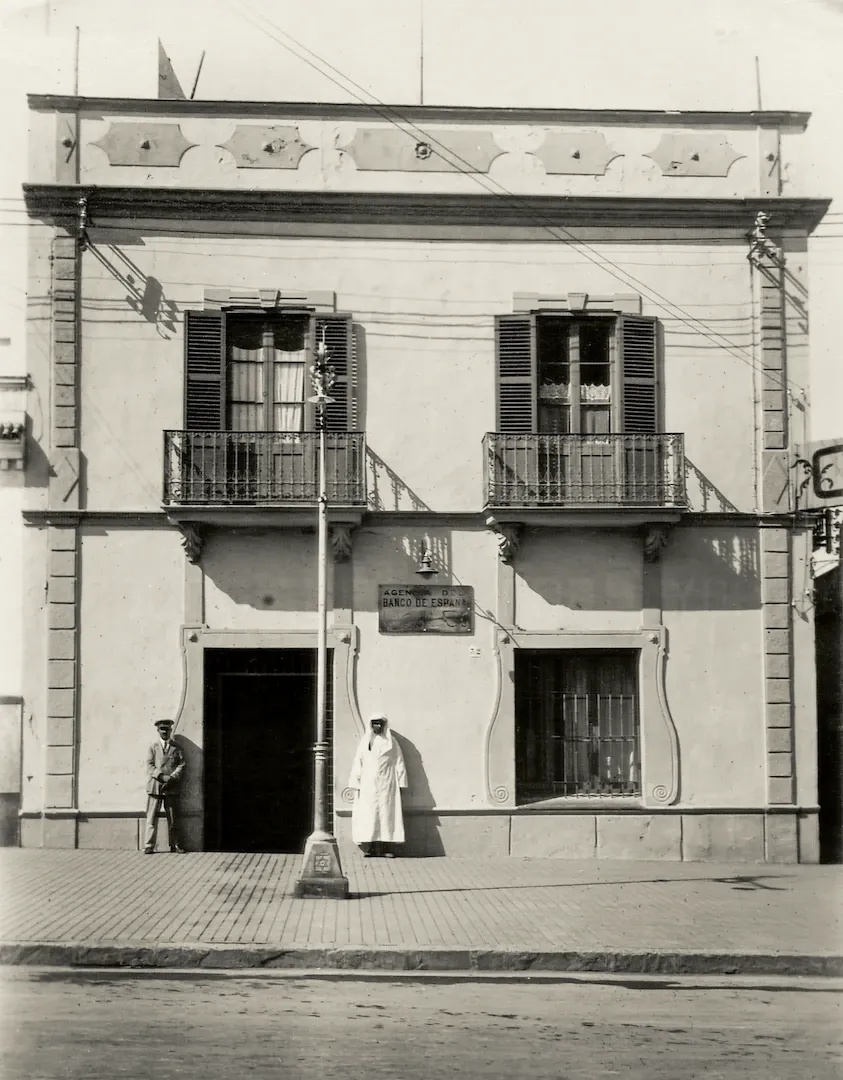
(321, 874)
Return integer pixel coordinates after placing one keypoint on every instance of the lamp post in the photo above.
(321, 873)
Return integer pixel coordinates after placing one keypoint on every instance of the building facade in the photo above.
(571, 362)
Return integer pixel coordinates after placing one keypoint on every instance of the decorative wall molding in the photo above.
(143, 143)
(572, 153)
(626, 302)
(391, 149)
(341, 542)
(660, 760)
(508, 537)
(694, 154)
(59, 202)
(655, 541)
(343, 641)
(255, 147)
(270, 299)
(277, 110)
(193, 541)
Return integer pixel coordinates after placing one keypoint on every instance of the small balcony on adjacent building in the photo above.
(639, 476)
(246, 477)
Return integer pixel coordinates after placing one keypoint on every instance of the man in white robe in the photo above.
(377, 776)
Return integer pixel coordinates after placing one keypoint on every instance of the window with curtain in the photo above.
(574, 375)
(266, 372)
(576, 724)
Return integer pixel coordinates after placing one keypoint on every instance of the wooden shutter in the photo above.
(337, 330)
(515, 373)
(640, 406)
(204, 371)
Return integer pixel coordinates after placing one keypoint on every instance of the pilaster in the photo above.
(62, 667)
(64, 483)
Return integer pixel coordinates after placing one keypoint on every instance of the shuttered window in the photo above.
(559, 373)
(250, 371)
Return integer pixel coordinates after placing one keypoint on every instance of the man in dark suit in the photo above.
(164, 770)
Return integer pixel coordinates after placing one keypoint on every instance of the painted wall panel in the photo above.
(261, 582)
(438, 691)
(131, 670)
(424, 328)
(578, 580)
(714, 673)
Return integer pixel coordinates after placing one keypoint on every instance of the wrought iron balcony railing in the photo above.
(262, 467)
(540, 471)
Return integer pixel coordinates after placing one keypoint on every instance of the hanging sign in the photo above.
(819, 475)
(425, 609)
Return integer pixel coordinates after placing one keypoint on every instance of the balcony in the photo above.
(640, 476)
(242, 476)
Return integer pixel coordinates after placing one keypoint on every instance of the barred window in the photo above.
(576, 724)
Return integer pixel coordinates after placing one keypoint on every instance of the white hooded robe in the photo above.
(378, 774)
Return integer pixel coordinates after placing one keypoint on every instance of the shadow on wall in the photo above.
(263, 571)
(718, 573)
(703, 496)
(145, 292)
(191, 796)
(583, 571)
(422, 836)
(386, 490)
(398, 563)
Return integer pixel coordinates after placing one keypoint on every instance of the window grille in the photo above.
(576, 724)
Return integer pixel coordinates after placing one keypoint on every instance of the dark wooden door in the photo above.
(260, 729)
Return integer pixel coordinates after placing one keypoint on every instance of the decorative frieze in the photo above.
(143, 143)
(255, 147)
(390, 149)
(575, 153)
(694, 154)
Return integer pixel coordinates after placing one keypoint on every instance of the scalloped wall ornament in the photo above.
(694, 154)
(576, 153)
(257, 147)
(143, 144)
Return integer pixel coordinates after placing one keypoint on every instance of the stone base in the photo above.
(322, 875)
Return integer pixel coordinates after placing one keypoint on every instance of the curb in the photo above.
(398, 959)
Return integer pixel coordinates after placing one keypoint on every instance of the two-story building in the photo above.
(571, 359)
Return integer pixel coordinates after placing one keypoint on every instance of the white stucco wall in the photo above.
(425, 312)
(130, 672)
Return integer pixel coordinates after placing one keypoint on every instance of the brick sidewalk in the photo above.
(502, 905)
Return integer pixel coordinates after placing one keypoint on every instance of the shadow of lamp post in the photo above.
(321, 874)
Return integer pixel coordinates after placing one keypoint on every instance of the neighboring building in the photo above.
(12, 461)
(572, 357)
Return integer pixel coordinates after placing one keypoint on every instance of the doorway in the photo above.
(260, 726)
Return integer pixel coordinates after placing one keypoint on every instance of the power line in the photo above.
(389, 113)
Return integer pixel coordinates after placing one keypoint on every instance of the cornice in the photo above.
(312, 110)
(60, 202)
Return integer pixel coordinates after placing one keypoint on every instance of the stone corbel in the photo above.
(655, 540)
(193, 542)
(341, 542)
(508, 537)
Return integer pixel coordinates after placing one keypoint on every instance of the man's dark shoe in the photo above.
(149, 851)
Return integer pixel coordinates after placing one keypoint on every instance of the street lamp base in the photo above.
(321, 874)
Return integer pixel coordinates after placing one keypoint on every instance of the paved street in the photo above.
(543, 906)
(111, 1024)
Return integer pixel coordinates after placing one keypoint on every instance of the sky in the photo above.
(660, 54)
